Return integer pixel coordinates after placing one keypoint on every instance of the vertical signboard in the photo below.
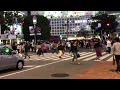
(32, 30)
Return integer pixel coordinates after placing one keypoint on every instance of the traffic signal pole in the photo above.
(101, 35)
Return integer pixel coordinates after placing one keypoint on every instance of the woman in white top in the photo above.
(116, 52)
(108, 46)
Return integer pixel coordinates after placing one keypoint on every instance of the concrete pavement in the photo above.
(101, 70)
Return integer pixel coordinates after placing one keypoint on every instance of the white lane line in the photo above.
(31, 68)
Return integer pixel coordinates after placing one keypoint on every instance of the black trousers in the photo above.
(109, 49)
(117, 58)
(54, 50)
(74, 56)
(26, 54)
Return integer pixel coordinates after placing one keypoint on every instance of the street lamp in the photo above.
(35, 32)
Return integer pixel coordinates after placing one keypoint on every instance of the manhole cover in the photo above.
(60, 75)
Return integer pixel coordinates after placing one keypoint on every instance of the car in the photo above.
(10, 59)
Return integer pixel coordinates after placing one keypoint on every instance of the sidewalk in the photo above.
(102, 70)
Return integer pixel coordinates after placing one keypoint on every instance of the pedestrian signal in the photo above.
(7, 50)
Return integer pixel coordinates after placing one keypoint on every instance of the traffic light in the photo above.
(74, 35)
(7, 50)
(108, 24)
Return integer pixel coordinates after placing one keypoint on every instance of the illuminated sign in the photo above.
(7, 50)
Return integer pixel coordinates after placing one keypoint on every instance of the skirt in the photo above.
(98, 51)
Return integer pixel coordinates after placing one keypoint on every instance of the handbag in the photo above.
(78, 55)
(113, 60)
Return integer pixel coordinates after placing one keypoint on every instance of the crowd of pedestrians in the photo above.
(72, 47)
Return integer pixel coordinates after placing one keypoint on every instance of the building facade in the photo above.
(59, 26)
(77, 20)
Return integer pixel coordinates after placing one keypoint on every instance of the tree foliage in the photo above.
(7, 18)
(42, 22)
(11, 16)
(104, 19)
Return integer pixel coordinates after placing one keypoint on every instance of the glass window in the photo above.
(58, 27)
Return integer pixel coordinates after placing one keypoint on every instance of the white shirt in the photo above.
(116, 48)
(108, 43)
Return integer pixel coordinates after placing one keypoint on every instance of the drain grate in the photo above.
(60, 75)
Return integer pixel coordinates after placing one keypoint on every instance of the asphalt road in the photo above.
(40, 69)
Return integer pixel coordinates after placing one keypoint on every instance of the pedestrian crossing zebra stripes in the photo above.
(84, 56)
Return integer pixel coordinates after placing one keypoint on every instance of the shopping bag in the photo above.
(113, 61)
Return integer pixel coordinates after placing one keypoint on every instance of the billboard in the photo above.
(32, 30)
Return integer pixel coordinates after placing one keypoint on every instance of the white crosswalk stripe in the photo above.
(84, 56)
(94, 57)
(110, 59)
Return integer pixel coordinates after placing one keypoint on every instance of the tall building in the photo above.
(78, 20)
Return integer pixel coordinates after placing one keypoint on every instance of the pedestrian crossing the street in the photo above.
(84, 56)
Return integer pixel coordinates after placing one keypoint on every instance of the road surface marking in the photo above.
(31, 68)
(93, 57)
(110, 59)
(55, 57)
(103, 57)
(86, 56)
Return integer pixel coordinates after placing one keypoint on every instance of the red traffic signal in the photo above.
(108, 24)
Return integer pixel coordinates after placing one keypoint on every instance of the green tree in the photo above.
(42, 22)
(11, 16)
(108, 23)
(1, 17)
(7, 18)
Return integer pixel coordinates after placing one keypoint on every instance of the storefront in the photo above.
(9, 39)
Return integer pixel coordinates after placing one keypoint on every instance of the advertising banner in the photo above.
(32, 30)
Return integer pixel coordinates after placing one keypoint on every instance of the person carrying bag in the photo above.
(116, 53)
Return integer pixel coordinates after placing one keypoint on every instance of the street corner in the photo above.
(101, 70)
